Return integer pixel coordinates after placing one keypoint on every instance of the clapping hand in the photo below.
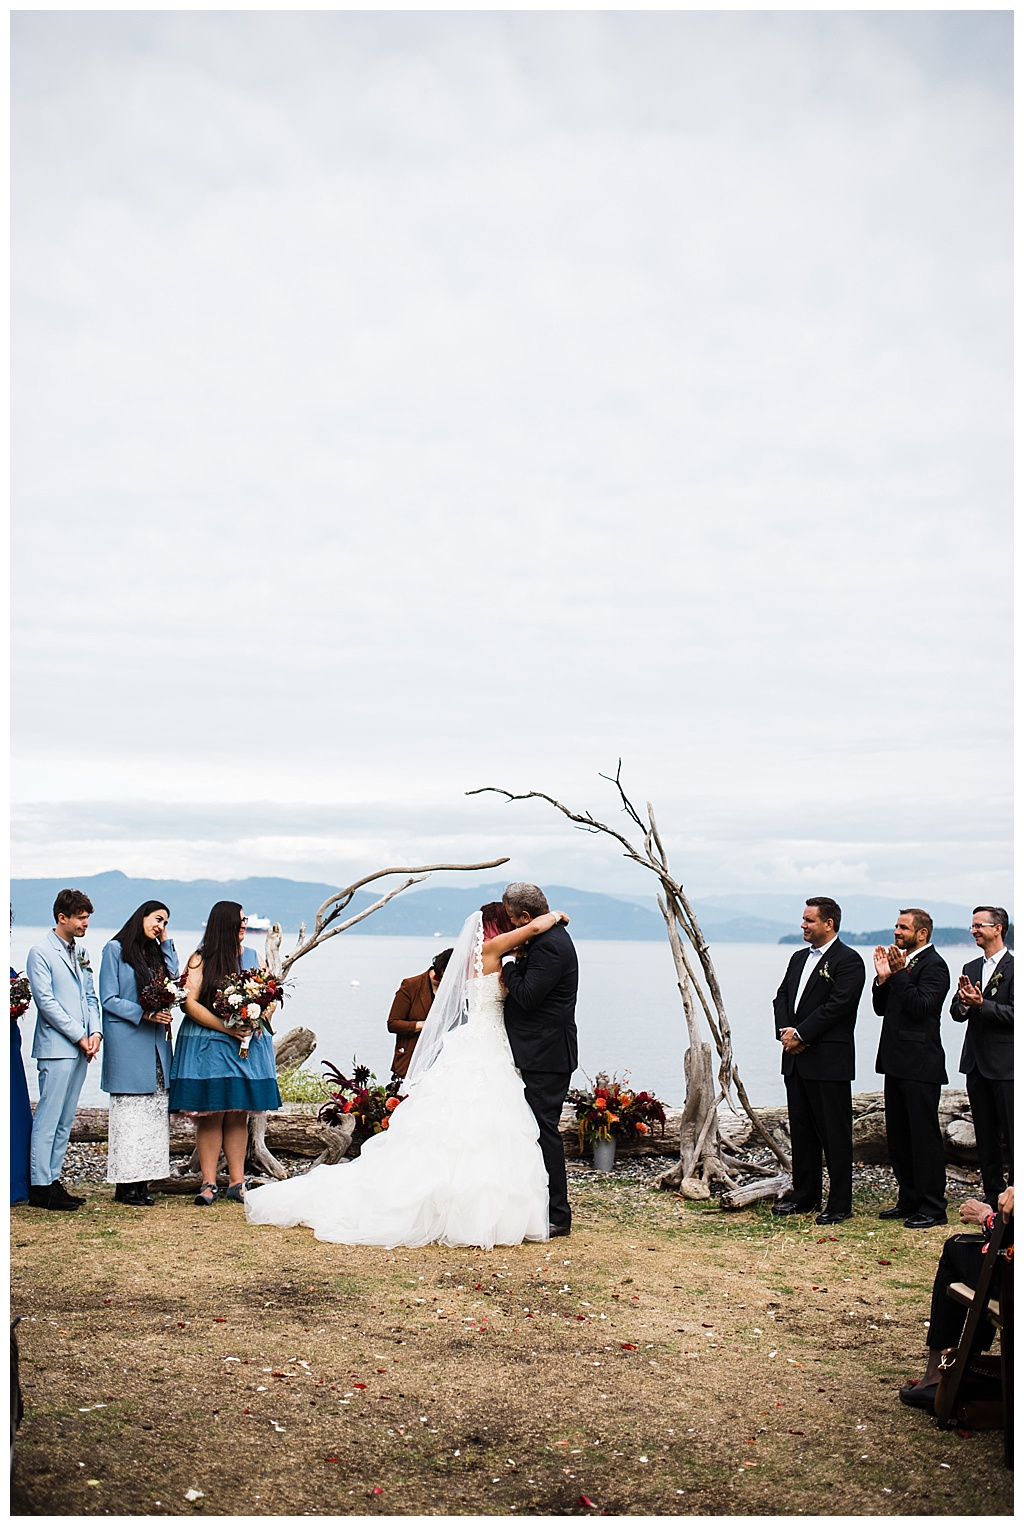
(969, 994)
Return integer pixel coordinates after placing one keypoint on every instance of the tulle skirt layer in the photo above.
(459, 1164)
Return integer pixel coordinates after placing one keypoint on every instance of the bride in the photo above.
(460, 1163)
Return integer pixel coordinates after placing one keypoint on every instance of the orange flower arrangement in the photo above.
(611, 1110)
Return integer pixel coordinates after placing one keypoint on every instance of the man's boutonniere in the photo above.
(824, 972)
(82, 955)
(993, 984)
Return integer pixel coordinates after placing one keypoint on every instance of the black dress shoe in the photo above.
(558, 1231)
(832, 1218)
(785, 1206)
(919, 1395)
(123, 1191)
(143, 1196)
(46, 1197)
(59, 1188)
(894, 1213)
(923, 1221)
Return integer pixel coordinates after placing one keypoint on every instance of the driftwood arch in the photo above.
(703, 1155)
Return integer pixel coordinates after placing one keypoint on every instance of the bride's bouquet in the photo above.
(243, 1001)
(21, 995)
(162, 994)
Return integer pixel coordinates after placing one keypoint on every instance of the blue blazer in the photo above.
(65, 998)
(130, 1044)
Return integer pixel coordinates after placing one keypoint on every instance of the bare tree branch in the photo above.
(678, 915)
(325, 925)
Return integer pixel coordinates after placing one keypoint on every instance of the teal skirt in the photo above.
(208, 1075)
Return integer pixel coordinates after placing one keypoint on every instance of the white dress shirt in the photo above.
(810, 965)
(988, 967)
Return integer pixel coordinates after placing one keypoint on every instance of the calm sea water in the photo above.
(629, 1013)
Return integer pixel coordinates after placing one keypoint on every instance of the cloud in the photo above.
(407, 401)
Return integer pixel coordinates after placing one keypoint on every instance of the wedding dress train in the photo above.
(460, 1163)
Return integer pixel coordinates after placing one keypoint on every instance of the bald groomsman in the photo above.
(908, 992)
(984, 1001)
(815, 1013)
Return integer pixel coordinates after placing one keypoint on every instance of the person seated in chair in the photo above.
(960, 1262)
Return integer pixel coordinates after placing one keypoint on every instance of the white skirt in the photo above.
(139, 1143)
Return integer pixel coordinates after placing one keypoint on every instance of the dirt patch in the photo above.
(667, 1359)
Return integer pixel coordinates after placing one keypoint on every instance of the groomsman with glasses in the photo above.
(908, 993)
(984, 1001)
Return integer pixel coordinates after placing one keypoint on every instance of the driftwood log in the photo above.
(296, 1131)
(294, 1048)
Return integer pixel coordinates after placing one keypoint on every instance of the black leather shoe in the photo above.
(61, 1192)
(142, 1197)
(61, 1198)
(47, 1197)
(832, 1218)
(893, 1213)
(923, 1221)
(919, 1395)
(558, 1231)
(123, 1192)
(785, 1206)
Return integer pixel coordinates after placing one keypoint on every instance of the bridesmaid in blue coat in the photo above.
(137, 1053)
(210, 1081)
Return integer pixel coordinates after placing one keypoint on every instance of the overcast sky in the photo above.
(410, 402)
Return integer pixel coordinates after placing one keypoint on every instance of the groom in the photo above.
(540, 1019)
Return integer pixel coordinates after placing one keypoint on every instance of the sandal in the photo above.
(236, 1194)
(206, 1202)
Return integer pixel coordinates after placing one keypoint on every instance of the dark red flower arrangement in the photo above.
(21, 995)
(362, 1097)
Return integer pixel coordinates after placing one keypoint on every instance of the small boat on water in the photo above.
(258, 925)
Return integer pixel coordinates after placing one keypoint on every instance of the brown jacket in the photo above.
(412, 1002)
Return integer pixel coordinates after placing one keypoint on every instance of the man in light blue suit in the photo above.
(66, 1040)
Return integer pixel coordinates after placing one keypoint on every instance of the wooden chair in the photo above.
(999, 1310)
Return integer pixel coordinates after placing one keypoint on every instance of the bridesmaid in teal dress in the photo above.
(210, 1081)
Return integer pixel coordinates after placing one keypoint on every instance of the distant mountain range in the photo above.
(440, 908)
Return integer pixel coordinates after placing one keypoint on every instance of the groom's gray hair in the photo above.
(521, 897)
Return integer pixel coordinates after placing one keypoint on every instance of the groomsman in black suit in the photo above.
(908, 992)
(815, 1012)
(984, 1001)
(540, 1020)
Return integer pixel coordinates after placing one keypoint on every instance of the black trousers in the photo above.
(914, 1140)
(992, 1114)
(961, 1261)
(821, 1123)
(545, 1093)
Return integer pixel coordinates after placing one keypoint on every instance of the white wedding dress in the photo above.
(460, 1163)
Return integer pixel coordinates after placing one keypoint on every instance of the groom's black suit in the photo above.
(818, 1078)
(540, 1020)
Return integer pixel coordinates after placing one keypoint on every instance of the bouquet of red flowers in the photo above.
(21, 995)
(611, 1109)
(370, 1103)
(162, 994)
(243, 1001)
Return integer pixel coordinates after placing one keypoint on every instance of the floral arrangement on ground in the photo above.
(612, 1109)
(359, 1095)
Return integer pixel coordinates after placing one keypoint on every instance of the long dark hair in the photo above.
(219, 949)
(142, 953)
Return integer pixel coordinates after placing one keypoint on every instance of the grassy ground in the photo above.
(667, 1359)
